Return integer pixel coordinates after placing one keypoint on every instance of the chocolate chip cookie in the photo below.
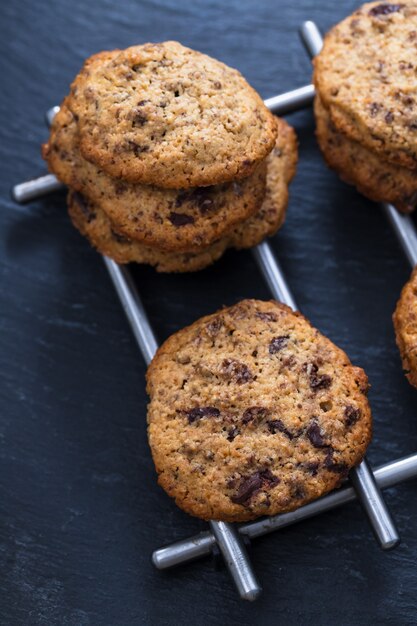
(166, 115)
(405, 325)
(172, 220)
(366, 78)
(253, 412)
(104, 234)
(374, 177)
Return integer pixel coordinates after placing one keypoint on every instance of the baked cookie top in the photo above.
(405, 325)
(373, 176)
(175, 220)
(366, 77)
(167, 115)
(253, 412)
(105, 235)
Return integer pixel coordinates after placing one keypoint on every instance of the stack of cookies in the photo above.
(170, 157)
(366, 102)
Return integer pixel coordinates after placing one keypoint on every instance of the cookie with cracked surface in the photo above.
(173, 220)
(253, 412)
(405, 325)
(374, 177)
(366, 77)
(93, 222)
(166, 115)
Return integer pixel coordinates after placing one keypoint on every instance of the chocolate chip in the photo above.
(254, 413)
(314, 435)
(84, 206)
(176, 93)
(311, 467)
(266, 316)
(232, 433)
(138, 118)
(333, 466)
(250, 485)
(142, 102)
(278, 426)
(180, 219)
(375, 107)
(200, 412)
(119, 238)
(317, 382)
(201, 197)
(289, 361)
(352, 415)
(136, 148)
(320, 382)
(278, 343)
(206, 205)
(236, 371)
(213, 327)
(389, 117)
(385, 9)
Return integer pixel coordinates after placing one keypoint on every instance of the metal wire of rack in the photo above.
(365, 485)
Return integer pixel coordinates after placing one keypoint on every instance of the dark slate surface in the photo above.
(80, 511)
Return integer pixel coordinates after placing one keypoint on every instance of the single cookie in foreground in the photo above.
(173, 220)
(405, 325)
(366, 78)
(375, 178)
(253, 412)
(166, 115)
(104, 234)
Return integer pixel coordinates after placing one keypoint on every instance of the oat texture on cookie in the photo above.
(253, 412)
(167, 115)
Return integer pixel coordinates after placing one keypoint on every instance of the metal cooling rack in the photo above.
(365, 484)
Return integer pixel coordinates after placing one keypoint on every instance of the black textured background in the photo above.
(80, 511)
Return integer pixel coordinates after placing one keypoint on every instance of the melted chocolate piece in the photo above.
(352, 415)
(214, 327)
(314, 435)
(232, 433)
(333, 466)
(278, 343)
(136, 148)
(267, 317)
(385, 9)
(180, 219)
(278, 426)
(317, 382)
(119, 238)
(201, 411)
(236, 371)
(250, 485)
